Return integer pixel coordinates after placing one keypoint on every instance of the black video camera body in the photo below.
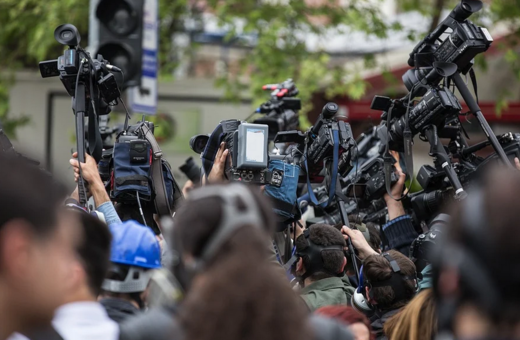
(368, 182)
(248, 154)
(281, 111)
(438, 104)
(76, 65)
(316, 146)
(461, 45)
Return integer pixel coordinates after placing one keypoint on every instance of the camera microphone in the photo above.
(113, 68)
(329, 110)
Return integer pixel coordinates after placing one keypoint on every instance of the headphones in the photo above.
(313, 257)
(231, 221)
(396, 282)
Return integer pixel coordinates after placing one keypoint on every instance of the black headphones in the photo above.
(233, 218)
(396, 281)
(313, 257)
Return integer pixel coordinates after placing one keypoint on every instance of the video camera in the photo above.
(437, 105)
(281, 111)
(248, 152)
(328, 140)
(460, 46)
(191, 170)
(367, 183)
(91, 85)
(76, 66)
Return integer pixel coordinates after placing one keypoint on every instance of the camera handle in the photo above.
(344, 218)
(79, 110)
(475, 109)
(441, 158)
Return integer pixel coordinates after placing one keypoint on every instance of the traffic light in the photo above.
(120, 36)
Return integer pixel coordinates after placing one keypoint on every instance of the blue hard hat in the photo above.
(134, 244)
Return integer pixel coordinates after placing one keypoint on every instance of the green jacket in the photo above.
(327, 292)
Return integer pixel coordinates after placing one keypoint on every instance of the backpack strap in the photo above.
(161, 197)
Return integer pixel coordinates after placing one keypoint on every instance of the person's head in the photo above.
(417, 320)
(199, 219)
(374, 236)
(93, 255)
(37, 242)
(477, 272)
(134, 254)
(390, 279)
(357, 322)
(222, 234)
(320, 248)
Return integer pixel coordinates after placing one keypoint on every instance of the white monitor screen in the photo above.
(255, 145)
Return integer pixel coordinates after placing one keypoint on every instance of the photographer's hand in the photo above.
(517, 163)
(358, 241)
(91, 175)
(216, 174)
(395, 208)
(188, 186)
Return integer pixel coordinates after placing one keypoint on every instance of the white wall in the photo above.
(29, 97)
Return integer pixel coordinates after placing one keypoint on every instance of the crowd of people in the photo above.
(214, 270)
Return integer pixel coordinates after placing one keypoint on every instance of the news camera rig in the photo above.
(93, 89)
(281, 110)
(323, 152)
(437, 113)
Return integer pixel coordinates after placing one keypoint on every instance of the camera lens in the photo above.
(66, 34)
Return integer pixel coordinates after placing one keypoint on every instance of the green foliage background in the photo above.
(26, 37)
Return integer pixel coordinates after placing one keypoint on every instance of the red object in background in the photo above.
(360, 110)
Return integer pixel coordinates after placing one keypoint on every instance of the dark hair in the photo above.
(30, 194)
(324, 235)
(375, 238)
(128, 212)
(94, 250)
(346, 315)
(377, 268)
(244, 296)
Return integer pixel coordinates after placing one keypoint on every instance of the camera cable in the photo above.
(140, 208)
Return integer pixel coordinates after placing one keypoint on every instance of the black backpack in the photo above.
(149, 180)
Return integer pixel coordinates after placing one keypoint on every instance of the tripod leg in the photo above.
(475, 109)
(437, 150)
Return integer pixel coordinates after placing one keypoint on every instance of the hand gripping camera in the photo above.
(248, 153)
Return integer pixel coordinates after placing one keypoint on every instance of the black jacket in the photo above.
(161, 324)
(400, 234)
(378, 321)
(119, 310)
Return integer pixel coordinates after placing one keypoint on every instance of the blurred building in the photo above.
(191, 105)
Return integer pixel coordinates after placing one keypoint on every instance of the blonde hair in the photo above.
(417, 320)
